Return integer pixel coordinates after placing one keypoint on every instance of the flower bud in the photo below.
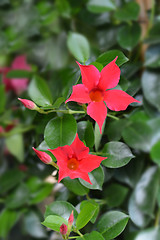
(28, 104)
(63, 229)
(1, 130)
(44, 157)
(71, 219)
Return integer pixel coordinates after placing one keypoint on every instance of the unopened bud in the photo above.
(71, 219)
(43, 156)
(1, 130)
(28, 104)
(63, 229)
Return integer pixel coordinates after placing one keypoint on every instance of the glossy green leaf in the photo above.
(129, 35)
(15, 146)
(91, 236)
(151, 88)
(85, 132)
(96, 177)
(85, 202)
(143, 199)
(10, 179)
(112, 223)
(85, 215)
(118, 154)
(114, 129)
(138, 135)
(19, 74)
(32, 225)
(110, 55)
(115, 194)
(2, 98)
(39, 92)
(128, 12)
(150, 233)
(152, 58)
(18, 198)
(8, 219)
(54, 222)
(79, 46)
(100, 6)
(75, 186)
(60, 131)
(62, 209)
(155, 153)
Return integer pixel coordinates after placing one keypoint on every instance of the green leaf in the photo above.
(129, 35)
(32, 225)
(39, 92)
(10, 179)
(18, 197)
(110, 55)
(155, 153)
(75, 186)
(8, 219)
(85, 215)
(118, 154)
(62, 209)
(115, 194)
(114, 129)
(91, 236)
(143, 199)
(19, 74)
(41, 193)
(151, 88)
(60, 131)
(94, 217)
(85, 132)
(129, 11)
(79, 46)
(112, 223)
(64, 8)
(96, 177)
(15, 146)
(152, 58)
(138, 135)
(2, 98)
(100, 6)
(150, 233)
(98, 135)
(54, 222)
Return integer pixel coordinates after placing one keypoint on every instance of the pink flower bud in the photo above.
(44, 157)
(63, 229)
(71, 219)
(28, 104)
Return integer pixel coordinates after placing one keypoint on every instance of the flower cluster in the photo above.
(17, 85)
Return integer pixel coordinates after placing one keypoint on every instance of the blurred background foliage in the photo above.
(53, 34)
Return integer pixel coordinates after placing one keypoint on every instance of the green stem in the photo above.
(98, 153)
(67, 111)
(111, 116)
(157, 218)
(151, 20)
(73, 237)
(54, 165)
(79, 233)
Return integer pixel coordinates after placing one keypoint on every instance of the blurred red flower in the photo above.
(18, 85)
(93, 91)
(74, 161)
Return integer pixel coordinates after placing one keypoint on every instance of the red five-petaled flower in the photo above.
(93, 91)
(74, 161)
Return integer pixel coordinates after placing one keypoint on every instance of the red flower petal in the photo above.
(118, 100)
(90, 76)
(80, 94)
(90, 163)
(20, 63)
(110, 76)
(97, 111)
(79, 148)
(62, 153)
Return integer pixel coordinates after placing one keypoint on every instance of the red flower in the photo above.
(63, 229)
(18, 85)
(74, 161)
(28, 103)
(93, 91)
(43, 156)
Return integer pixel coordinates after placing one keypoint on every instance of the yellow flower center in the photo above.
(72, 164)
(96, 95)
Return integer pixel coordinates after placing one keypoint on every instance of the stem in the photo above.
(54, 165)
(157, 218)
(79, 233)
(73, 237)
(68, 111)
(88, 197)
(111, 116)
(152, 14)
